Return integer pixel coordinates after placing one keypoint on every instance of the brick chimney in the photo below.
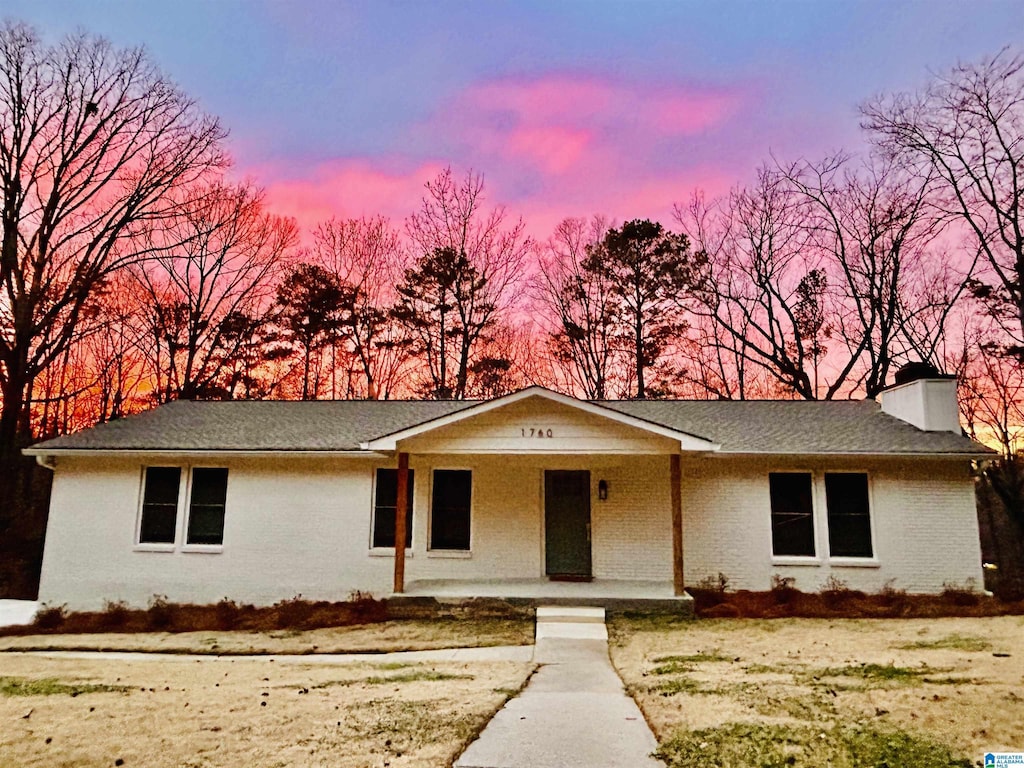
(923, 397)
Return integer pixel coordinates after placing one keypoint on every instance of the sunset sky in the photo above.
(568, 108)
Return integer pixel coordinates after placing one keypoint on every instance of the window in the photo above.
(160, 505)
(792, 513)
(450, 509)
(206, 506)
(849, 519)
(385, 503)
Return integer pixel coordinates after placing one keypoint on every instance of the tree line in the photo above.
(134, 272)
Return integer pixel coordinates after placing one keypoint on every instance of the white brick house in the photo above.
(260, 501)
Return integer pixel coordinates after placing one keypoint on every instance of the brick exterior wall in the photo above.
(302, 526)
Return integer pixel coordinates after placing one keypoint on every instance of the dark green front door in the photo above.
(567, 523)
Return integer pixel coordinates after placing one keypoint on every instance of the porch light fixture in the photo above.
(602, 490)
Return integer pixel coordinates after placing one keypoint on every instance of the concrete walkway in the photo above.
(574, 712)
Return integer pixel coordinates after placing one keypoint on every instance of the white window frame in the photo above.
(454, 554)
(819, 516)
(389, 551)
(181, 519)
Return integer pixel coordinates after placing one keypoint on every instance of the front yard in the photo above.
(913, 693)
(211, 712)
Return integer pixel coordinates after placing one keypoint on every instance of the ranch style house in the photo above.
(534, 495)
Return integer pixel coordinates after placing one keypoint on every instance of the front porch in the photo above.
(612, 594)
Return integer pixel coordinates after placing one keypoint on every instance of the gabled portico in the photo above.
(560, 472)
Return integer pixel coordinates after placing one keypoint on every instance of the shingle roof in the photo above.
(780, 427)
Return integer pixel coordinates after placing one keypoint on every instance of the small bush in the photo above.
(115, 614)
(719, 583)
(227, 613)
(783, 589)
(160, 615)
(889, 596)
(293, 613)
(836, 593)
(365, 608)
(51, 616)
(960, 595)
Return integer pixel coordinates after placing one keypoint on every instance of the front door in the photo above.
(567, 523)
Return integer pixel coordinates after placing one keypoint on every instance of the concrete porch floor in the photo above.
(613, 594)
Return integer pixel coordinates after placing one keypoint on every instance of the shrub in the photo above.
(783, 589)
(365, 608)
(960, 595)
(226, 613)
(160, 614)
(293, 613)
(719, 583)
(115, 614)
(51, 616)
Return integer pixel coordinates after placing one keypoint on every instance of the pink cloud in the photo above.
(347, 189)
(561, 123)
(550, 147)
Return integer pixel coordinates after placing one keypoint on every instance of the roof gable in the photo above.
(519, 430)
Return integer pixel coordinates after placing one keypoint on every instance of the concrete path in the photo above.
(521, 653)
(574, 712)
(17, 612)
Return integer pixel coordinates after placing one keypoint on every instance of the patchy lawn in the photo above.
(384, 637)
(914, 693)
(231, 712)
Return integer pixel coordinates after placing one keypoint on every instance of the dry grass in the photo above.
(388, 636)
(802, 692)
(232, 712)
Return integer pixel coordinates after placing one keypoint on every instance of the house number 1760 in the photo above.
(534, 432)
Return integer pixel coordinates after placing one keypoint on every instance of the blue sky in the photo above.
(568, 108)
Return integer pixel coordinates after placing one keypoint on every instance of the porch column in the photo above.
(401, 510)
(675, 476)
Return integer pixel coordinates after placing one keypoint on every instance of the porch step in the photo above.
(570, 614)
(570, 623)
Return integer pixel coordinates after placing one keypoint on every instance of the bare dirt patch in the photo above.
(921, 692)
(385, 637)
(232, 712)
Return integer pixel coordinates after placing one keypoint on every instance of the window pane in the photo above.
(449, 510)
(206, 508)
(385, 501)
(849, 519)
(792, 513)
(160, 505)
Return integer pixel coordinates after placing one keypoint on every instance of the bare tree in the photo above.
(92, 142)
(458, 290)
(761, 279)
(579, 306)
(966, 129)
(209, 287)
(367, 257)
(826, 275)
(877, 238)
